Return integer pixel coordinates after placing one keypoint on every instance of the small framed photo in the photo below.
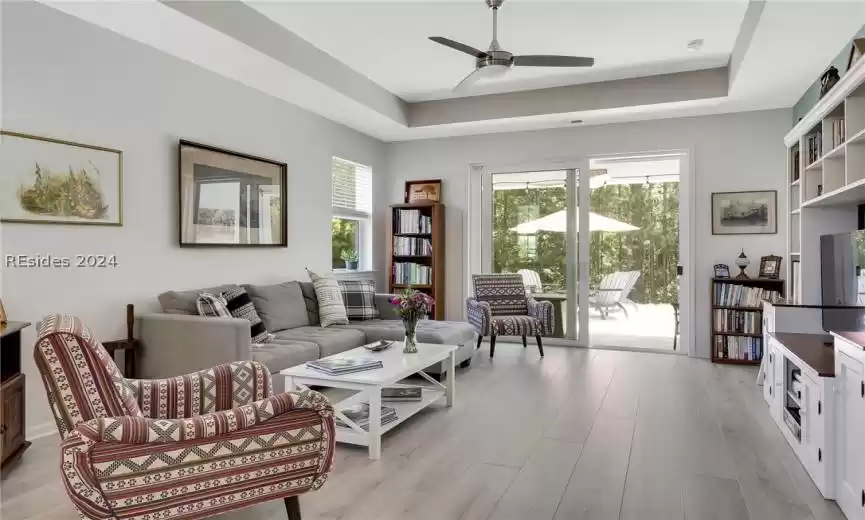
(745, 213)
(770, 267)
(423, 191)
(722, 271)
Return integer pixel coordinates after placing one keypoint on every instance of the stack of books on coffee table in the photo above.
(336, 365)
(360, 416)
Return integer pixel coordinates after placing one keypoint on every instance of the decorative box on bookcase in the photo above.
(416, 251)
(737, 318)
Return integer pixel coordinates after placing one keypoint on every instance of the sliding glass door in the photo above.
(634, 252)
(531, 231)
(606, 252)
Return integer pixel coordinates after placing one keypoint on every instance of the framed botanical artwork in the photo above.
(745, 213)
(770, 267)
(229, 198)
(722, 271)
(50, 181)
(423, 191)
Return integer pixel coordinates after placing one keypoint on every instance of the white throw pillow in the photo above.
(331, 308)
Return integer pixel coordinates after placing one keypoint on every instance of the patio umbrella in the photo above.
(558, 222)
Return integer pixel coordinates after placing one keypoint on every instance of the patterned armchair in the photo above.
(187, 447)
(500, 307)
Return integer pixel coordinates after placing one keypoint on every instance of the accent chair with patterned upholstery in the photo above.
(500, 307)
(186, 447)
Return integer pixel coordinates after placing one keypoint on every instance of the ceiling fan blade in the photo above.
(545, 60)
(469, 80)
(459, 46)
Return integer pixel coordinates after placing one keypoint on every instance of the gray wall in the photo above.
(735, 152)
(68, 79)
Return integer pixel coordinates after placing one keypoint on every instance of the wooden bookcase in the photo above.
(719, 332)
(432, 260)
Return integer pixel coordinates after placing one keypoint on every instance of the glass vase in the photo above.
(410, 336)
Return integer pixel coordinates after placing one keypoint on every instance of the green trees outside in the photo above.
(653, 250)
(343, 237)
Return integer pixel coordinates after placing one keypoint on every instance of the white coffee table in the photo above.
(369, 383)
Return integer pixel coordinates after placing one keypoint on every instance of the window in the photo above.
(352, 209)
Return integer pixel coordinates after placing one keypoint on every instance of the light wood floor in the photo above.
(581, 434)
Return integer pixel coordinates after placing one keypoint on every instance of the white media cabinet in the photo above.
(814, 384)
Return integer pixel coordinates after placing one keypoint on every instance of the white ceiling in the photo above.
(387, 42)
(348, 61)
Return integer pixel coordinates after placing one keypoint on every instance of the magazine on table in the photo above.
(360, 416)
(402, 393)
(342, 365)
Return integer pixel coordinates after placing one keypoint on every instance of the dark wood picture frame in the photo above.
(722, 270)
(283, 193)
(773, 217)
(765, 261)
(436, 184)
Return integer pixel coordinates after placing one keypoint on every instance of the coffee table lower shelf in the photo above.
(404, 410)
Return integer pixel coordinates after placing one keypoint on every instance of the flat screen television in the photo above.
(842, 266)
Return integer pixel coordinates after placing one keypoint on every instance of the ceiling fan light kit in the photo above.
(495, 62)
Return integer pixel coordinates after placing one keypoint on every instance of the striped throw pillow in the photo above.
(240, 306)
(212, 305)
(331, 309)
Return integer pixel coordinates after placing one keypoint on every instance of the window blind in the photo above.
(351, 194)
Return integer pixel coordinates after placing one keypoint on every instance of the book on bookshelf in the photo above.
(742, 348)
(411, 221)
(837, 129)
(412, 246)
(729, 320)
(814, 143)
(412, 273)
(733, 295)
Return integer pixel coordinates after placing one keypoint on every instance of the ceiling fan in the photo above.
(496, 62)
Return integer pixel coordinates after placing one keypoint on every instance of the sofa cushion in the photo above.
(358, 296)
(331, 340)
(311, 301)
(240, 306)
(280, 306)
(428, 331)
(183, 302)
(281, 354)
(331, 309)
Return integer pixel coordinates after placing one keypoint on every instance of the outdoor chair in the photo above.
(188, 447)
(613, 292)
(500, 307)
(531, 280)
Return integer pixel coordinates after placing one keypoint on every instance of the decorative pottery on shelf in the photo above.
(412, 306)
(742, 262)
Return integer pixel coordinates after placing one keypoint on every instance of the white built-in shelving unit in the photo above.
(825, 178)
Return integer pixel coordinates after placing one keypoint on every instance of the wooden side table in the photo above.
(12, 426)
(129, 348)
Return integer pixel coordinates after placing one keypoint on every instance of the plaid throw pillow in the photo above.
(240, 306)
(212, 305)
(359, 299)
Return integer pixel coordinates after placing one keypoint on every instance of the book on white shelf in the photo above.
(733, 295)
(359, 415)
(741, 348)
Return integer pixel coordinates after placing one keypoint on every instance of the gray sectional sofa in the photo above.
(178, 341)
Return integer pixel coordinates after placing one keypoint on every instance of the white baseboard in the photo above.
(39, 431)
